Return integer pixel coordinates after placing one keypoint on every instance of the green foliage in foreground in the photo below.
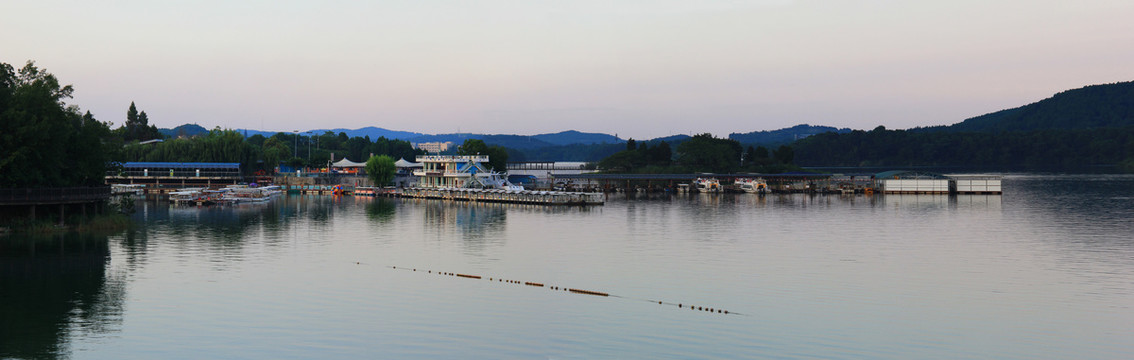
(381, 170)
(43, 141)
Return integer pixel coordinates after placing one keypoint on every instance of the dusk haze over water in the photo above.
(638, 69)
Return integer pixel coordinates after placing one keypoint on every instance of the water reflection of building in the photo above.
(48, 285)
(475, 219)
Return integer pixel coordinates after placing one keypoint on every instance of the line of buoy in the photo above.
(578, 291)
(588, 292)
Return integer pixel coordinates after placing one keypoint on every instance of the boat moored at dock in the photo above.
(246, 194)
(707, 185)
(752, 185)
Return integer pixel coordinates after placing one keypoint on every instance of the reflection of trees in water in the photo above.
(51, 285)
(381, 209)
(221, 228)
(225, 230)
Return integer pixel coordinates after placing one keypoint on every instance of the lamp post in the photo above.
(295, 150)
(310, 134)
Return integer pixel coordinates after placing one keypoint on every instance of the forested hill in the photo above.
(1091, 107)
(184, 131)
(1091, 126)
(783, 136)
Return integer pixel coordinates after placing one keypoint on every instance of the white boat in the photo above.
(748, 185)
(127, 189)
(273, 189)
(246, 194)
(187, 195)
(707, 185)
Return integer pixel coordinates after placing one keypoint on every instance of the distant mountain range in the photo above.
(510, 141)
(1095, 106)
(371, 131)
(526, 142)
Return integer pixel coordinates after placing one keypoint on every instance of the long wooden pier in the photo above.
(503, 196)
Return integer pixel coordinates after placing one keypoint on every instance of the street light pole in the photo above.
(295, 150)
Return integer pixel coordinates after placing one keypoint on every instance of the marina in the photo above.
(468, 178)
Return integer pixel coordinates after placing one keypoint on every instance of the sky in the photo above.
(640, 69)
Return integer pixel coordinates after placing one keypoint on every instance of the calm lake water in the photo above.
(1044, 271)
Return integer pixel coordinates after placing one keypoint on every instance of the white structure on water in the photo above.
(459, 171)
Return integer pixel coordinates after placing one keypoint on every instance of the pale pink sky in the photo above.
(642, 68)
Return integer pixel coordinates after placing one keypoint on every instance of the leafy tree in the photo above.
(760, 153)
(137, 126)
(497, 155)
(641, 158)
(216, 146)
(660, 155)
(43, 141)
(273, 152)
(295, 162)
(784, 154)
(623, 161)
(380, 169)
(705, 153)
(256, 140)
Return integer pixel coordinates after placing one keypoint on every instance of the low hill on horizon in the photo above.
(785, 135)
(577, 137)
(1089, 127)
(1088, 107)
(187, 130)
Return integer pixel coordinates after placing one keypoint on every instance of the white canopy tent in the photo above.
(344, 163)
(402, 163)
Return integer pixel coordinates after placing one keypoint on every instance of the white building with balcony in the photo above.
(459, 171)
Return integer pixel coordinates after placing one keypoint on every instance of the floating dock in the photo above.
(503, 196)
(891, 182)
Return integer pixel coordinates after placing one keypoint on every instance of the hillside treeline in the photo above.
(701, 153)
(1008, 150)
(1095, 106)
(257, 152)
